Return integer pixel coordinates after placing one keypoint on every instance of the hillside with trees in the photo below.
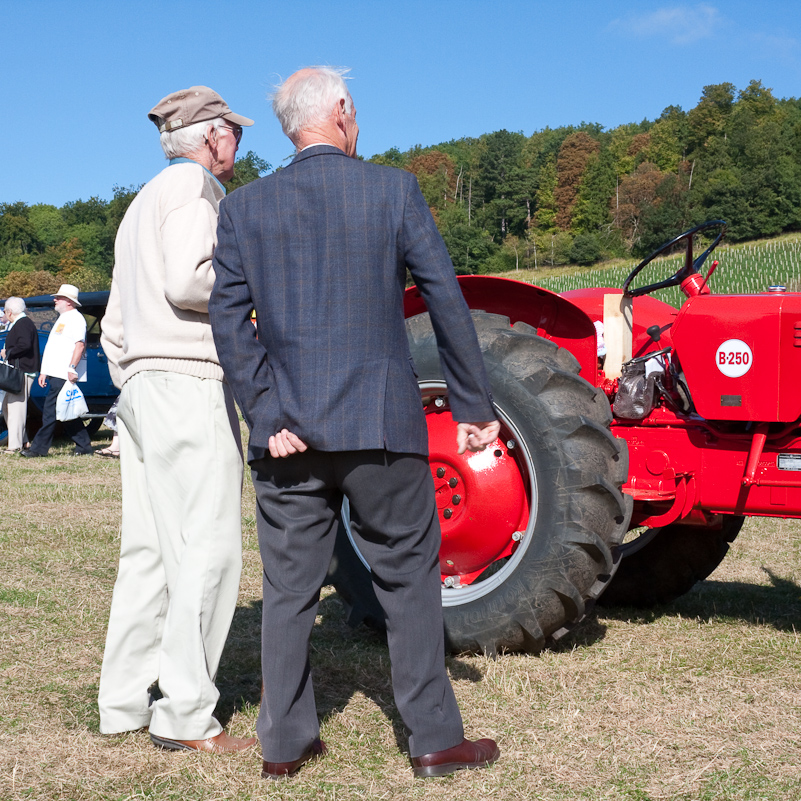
(581, 193)
(570, 195)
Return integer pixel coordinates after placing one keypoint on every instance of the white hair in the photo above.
(187, 140)
(309, 97)
(15, 305)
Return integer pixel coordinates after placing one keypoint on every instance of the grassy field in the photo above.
(744, 269)
(695, 700)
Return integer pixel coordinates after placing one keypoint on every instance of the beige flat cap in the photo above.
(188, 106)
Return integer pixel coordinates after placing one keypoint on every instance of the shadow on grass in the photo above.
(582, 635)
(345, 662)
(239, 674)
(777, 605)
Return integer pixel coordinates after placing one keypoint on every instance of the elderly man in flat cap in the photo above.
(180, 450)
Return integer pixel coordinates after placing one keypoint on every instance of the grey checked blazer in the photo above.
(320, 250)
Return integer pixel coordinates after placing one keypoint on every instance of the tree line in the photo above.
(578, 194)
(574, 194)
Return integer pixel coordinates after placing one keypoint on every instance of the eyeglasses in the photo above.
(237, 132)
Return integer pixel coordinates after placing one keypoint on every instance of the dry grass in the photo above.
(695, 700)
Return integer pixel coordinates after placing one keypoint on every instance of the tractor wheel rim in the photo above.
(466, 593)
(458, 595)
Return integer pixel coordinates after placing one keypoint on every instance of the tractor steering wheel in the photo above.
(690, 266)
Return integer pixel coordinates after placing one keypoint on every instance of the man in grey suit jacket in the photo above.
(327, 386)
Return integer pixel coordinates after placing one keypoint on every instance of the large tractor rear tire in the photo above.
(664, 563)
(528, 525)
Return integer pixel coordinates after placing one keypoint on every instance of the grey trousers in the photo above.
(394, 523)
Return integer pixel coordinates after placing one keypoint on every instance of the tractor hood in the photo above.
(741, 355)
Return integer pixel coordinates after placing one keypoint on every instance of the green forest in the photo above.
(505, 201)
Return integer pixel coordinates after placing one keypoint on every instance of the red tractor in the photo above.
(690, 423)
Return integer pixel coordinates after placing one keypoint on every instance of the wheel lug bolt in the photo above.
(453, 482)
(440, 472)
(457, 499)
(517, 536)
(439, 402)
(511, 444)
(448, 514)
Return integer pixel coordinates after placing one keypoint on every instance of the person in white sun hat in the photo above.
(64, 359)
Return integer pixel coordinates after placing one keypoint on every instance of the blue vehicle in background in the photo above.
(98, 390)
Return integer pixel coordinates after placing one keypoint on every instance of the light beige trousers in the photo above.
(15, 412)
(180, 555)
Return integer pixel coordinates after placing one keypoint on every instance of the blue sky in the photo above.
(78, 78)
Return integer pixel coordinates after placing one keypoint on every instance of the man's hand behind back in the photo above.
(476, 436)
(469, 437)
(285, 443)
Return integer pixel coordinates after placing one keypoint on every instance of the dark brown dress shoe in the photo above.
(468, 754)
(221, 744)
(281, 770)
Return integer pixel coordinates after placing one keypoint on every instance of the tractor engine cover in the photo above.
(741, 355)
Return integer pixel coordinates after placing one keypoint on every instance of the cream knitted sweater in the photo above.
(158, 309)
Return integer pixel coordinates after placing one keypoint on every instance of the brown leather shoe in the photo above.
(281, 770)
(221, 744)
(468, 754)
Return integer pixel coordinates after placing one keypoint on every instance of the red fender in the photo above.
(554, 317)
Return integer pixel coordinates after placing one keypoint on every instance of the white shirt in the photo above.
(68, 329)
(599, 338)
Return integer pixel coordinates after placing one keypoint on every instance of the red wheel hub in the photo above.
(481, 499)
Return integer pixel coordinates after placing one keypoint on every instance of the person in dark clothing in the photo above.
(320, 250)
(22, 351)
